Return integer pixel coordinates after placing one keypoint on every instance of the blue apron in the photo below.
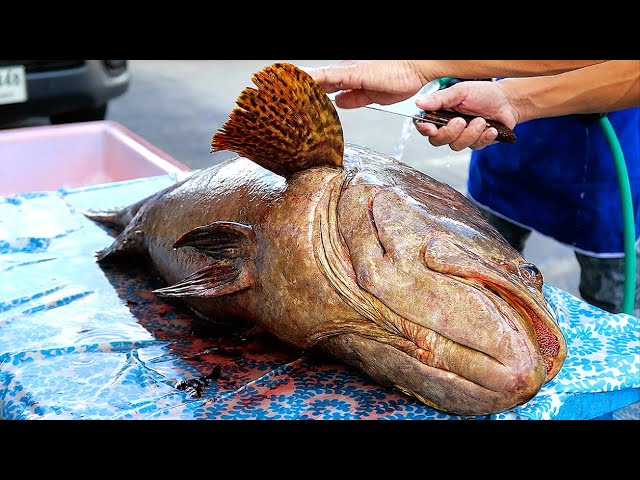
(559, 179)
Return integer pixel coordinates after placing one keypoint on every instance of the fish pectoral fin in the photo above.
(220, 239)
(223, 277)
(229, 244)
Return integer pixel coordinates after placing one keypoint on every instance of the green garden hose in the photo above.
(628, 219)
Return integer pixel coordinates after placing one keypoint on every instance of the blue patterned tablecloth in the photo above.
(81, 341)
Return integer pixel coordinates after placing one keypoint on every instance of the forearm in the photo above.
(432, 69)
(599, 88)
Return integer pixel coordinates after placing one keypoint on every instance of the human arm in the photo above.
(602, 87)
(609, 86)
(385, 82)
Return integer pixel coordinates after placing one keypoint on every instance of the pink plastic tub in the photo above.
(75, 155)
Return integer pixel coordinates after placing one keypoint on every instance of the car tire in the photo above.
(81, 115)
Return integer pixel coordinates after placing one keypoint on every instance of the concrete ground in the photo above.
(177, 105)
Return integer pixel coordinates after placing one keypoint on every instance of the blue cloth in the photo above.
(559, 179)
(84, 341)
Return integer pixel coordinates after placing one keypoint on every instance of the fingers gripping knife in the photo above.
(440, 118)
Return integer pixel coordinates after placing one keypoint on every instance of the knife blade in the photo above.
(442, 118)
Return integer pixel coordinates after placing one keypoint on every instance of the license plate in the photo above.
(13, 85)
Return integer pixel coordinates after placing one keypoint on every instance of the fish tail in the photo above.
(285, 125)
(129, 241)
(125, 221)
(116, 218)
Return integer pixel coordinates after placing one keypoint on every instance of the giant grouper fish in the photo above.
(337, 247)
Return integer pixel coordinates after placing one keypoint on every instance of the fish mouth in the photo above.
(534, 317)
(512, 298)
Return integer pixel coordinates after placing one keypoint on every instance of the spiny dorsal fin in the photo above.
(288, 124)
(229, 244)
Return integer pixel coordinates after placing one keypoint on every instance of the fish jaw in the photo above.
(478, 346)
(473, 330)
(514, 294)
(436, 387)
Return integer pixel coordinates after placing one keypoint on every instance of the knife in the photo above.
(442, 117)
(439, 117)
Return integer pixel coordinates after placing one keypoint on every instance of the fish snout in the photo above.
(515, 286)
(433, 385)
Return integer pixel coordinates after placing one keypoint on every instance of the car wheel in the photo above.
(80, 115)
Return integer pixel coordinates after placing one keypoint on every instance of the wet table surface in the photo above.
(84, 341)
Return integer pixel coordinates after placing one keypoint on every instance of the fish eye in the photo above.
(530, 274)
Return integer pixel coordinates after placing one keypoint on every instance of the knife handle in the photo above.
(442, 117)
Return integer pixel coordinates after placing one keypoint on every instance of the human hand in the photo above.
(479, 98)
(362, 82)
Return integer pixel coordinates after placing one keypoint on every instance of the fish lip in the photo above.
(467, 267)
(485, 286)
(529, 312)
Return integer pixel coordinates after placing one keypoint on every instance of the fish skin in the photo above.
(366, 258)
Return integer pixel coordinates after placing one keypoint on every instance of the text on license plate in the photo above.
(13, 84)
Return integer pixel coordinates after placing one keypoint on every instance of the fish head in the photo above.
(439, 284)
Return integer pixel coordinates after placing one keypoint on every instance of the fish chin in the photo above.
(548, 337)
(437, 387)
(522, 305)
(500, 363)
